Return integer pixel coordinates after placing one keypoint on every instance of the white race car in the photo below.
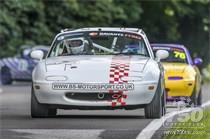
(99, 68)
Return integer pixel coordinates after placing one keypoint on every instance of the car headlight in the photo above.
(132, 78)
(56, 78)
(148, 76)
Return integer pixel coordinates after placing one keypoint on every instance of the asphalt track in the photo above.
(16, 123)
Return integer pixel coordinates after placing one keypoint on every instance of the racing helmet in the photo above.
(131, 48)
(75, 45)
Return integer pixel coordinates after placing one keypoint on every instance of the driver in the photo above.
(131, 48)
(75, 46)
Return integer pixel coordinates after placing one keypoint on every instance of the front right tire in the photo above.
(40, 110)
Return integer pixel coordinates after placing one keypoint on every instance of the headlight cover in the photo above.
(56, 78)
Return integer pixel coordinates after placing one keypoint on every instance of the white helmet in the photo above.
(75, 45)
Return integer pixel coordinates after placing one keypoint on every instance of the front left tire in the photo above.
(199, 99)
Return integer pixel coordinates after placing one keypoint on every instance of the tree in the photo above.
(36, 22)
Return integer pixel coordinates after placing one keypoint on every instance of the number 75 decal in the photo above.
(180, 55)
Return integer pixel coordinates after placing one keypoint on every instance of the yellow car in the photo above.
(182, 77)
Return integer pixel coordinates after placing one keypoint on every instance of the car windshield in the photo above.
(176, 55)
(99, 43)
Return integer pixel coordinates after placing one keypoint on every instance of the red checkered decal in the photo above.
(119, 68)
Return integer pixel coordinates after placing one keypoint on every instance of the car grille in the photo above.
(91, 96)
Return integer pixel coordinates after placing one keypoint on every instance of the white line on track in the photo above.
(60, 133)
(154, 125)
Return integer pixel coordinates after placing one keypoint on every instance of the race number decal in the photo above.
(180, 55)
(23, 65)
(119, 68)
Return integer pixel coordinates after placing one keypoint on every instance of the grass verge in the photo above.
(193, 125)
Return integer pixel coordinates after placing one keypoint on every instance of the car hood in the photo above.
(92, 68)
(174, 68)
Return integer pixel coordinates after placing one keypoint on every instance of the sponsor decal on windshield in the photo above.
(162, 48)
(110, 34)
(118, 34)
(133, 36)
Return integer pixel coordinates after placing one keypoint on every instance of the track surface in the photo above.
(16, 123)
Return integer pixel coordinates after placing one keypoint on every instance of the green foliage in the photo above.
(21, 22)
(37, 21)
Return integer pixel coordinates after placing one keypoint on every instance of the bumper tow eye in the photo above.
(100, 95)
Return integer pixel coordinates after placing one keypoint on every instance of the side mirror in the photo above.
(161, 54)
(197, 61)
(37, 54)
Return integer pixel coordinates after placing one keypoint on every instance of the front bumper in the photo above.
(179, 88)
(45, 94)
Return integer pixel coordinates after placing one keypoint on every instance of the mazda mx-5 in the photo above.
(99, 68)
